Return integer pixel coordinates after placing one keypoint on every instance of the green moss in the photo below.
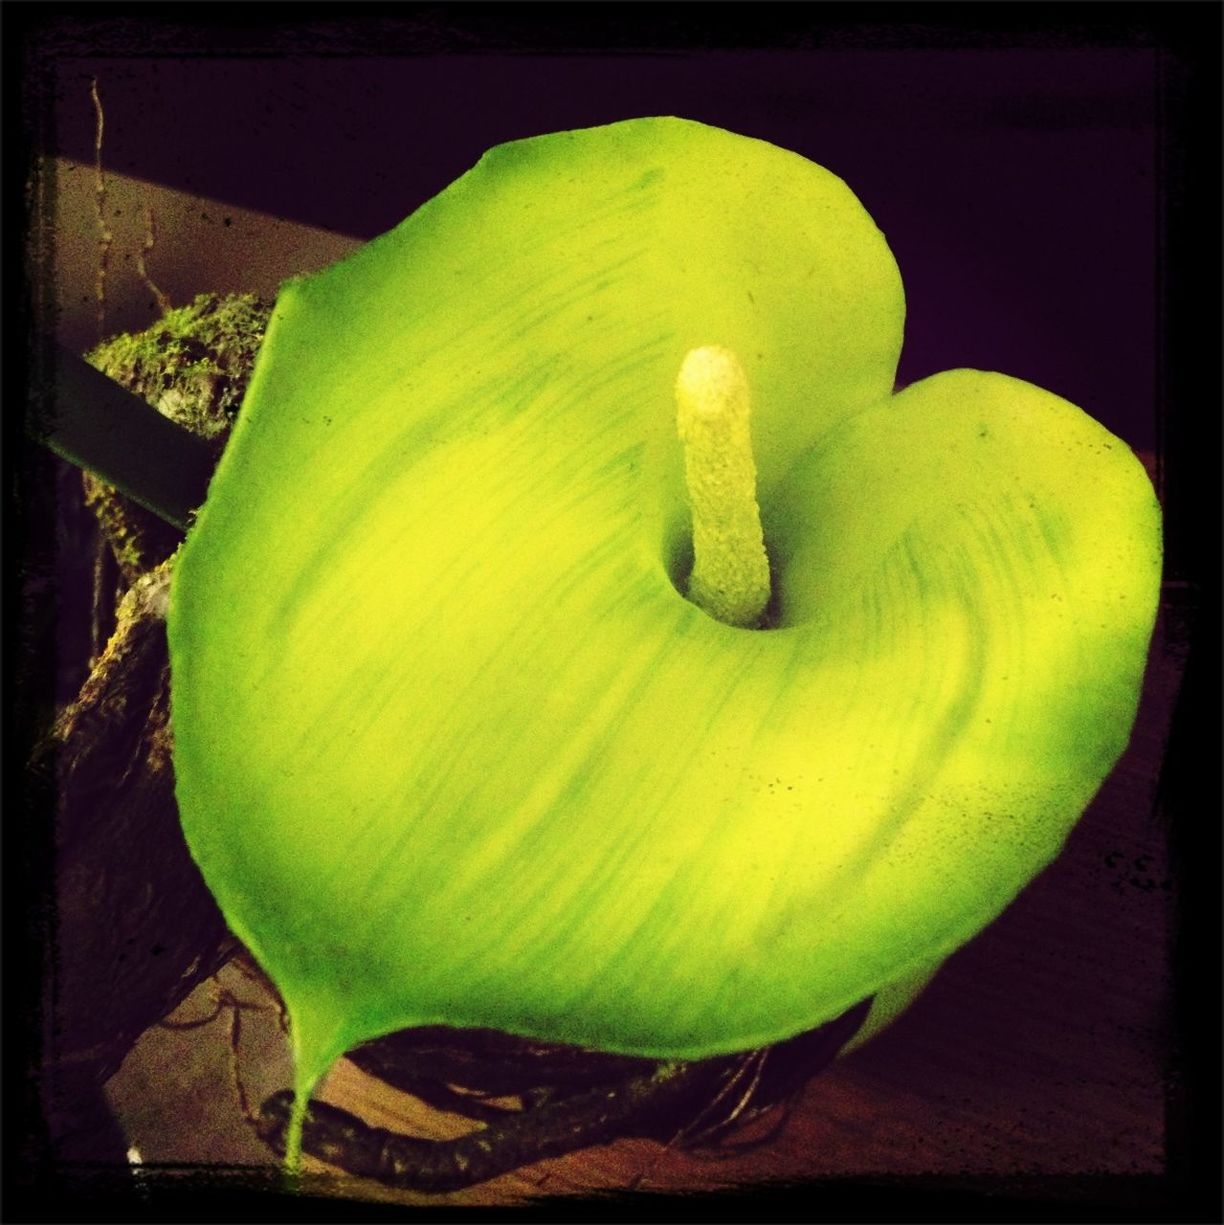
(193, 365)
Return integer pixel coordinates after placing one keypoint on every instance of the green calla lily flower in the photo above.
(453, 746)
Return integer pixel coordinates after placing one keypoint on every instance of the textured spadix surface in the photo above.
(450, 745)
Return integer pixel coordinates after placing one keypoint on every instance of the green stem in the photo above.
(92, 422)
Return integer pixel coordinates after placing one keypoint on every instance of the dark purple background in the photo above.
(1017, 187)
(1050, 187)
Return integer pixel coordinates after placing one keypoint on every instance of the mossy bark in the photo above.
(193, 367)
(135, 928)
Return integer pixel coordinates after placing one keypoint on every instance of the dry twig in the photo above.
(105, 237)
(150, 241)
